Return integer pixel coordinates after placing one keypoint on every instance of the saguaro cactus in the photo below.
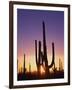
(53, 56)
(38, 60)
(60, 65)
(42, 55)
(29, 68)
(24, 65)
(17, 66)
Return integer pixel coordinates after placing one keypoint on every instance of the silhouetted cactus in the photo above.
(30, 68)
(42, 55)
(17, 66)
(24, 69)
(37, 60)
(36, 50)
(53, 56)
(60, 65)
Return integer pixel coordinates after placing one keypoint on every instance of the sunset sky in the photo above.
(29, 29)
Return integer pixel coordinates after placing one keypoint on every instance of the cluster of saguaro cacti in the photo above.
(42, 59)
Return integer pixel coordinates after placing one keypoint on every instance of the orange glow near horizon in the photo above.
(30, 57)
(31, 60)
(42, 69)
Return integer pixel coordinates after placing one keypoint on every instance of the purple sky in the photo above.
(29, 29)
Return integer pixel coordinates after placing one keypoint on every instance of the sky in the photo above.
(29, 29)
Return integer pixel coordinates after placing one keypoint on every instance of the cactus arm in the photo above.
(39, 53)
(42, 57)
(52, 56)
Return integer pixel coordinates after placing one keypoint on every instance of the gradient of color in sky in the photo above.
(29, 29)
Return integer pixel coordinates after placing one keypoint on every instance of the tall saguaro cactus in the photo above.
(42, 55)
